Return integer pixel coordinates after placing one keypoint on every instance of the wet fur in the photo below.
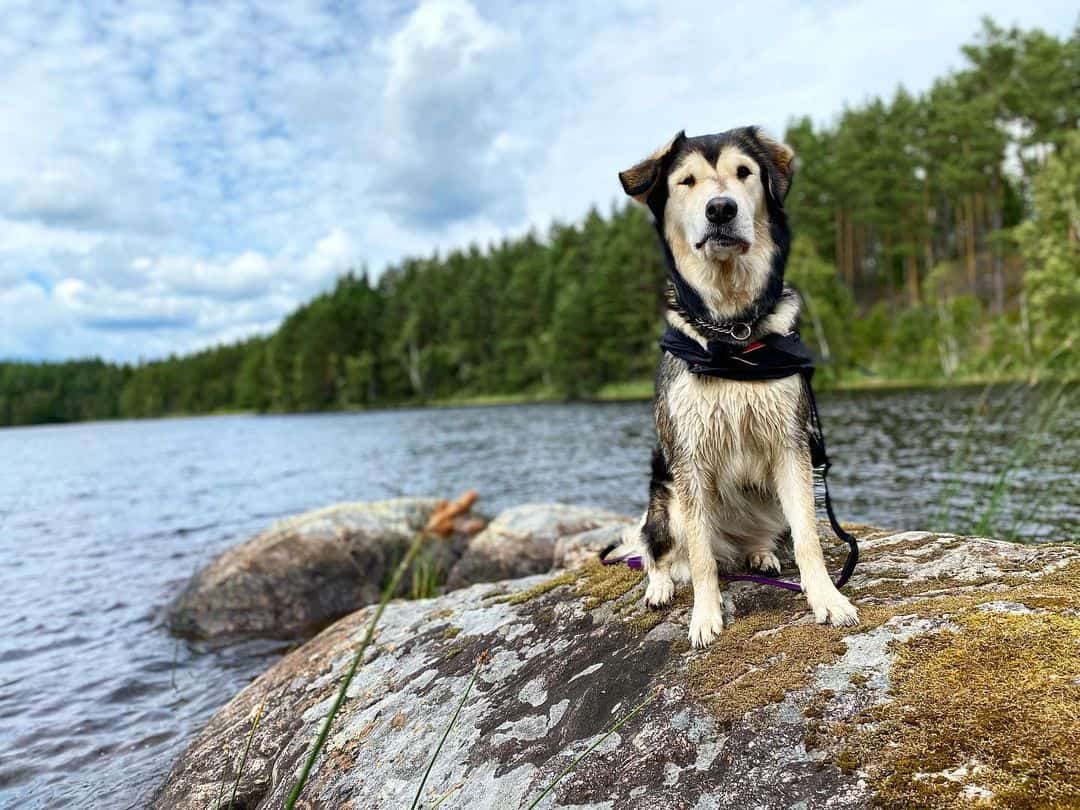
(731, 470)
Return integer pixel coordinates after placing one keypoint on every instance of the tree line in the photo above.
(936, 237)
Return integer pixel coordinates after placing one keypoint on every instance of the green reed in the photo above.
(240, 768)
(320, 741)
(1040, 436)
(446, 733)
(577, 761)
(439, 523)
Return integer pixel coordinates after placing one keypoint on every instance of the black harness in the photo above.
(733, 353)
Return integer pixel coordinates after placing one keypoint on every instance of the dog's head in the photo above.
(716, 199)
(712, 190)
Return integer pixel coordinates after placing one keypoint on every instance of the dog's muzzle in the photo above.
(721, 237)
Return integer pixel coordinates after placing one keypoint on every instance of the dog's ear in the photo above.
(639, 180)
(782, 157)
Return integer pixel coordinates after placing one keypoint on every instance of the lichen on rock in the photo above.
(960, 686)
(981, 707)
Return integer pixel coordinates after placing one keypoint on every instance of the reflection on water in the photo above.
(101, 523)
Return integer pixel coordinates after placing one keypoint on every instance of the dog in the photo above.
(731, 471)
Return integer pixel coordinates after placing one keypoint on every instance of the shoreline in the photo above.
(642, 390)
(630, 391)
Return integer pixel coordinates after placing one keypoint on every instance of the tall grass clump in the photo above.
(425, 577)
(1042, 435)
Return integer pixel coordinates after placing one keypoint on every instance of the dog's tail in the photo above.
(630, 547)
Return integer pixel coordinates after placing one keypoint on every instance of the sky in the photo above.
(175, 175)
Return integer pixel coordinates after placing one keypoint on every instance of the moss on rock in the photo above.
(995, 701)
(983, 712)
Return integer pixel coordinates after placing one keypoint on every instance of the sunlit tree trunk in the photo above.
(969, 233)
(997, 261)
(912, 273)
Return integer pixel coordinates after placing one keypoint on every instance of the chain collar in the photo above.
(738, 331)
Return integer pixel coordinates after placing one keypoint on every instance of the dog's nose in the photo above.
(719, 210)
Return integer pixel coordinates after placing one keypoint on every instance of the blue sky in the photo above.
(177, 174)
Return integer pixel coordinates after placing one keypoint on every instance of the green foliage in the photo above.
(1050, 243)
(828, 307)
(60, 392)
(937, 239)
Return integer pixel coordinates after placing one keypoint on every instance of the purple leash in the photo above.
(636, 564)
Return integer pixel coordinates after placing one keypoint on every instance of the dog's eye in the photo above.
(687, 181)
(742, 172)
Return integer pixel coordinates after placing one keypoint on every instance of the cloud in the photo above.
(443, 155)
(182, 174)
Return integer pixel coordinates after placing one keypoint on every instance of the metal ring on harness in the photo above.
(740, 331)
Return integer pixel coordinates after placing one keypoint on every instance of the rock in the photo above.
(303, 573)
(959, 686)
(575, 550)
(522, 541)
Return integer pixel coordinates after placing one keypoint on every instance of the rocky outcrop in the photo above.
(961, 685)
(524, 540)
(303, 573)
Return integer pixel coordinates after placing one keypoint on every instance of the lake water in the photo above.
(100, 524)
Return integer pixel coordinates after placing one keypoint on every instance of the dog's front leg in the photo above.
(661, 588)
(795, 488)
(707, 616)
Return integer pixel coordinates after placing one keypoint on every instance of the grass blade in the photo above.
(592, 747)
(453, 719)
(324, 732)
(445, 796)
(440, 522)
(220, 791)
(244, 756)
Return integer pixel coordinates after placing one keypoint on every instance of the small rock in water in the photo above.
(523, 540)
(303, 573)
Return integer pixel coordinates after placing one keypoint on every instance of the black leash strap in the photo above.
(819, 458)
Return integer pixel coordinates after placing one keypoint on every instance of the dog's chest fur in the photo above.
(730, 430)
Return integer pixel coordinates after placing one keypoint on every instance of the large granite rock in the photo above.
(961, 686)
(523, 541)
(303, 573)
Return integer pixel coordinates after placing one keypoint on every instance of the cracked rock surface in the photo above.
(770, 716)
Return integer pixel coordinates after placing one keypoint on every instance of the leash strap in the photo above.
(817, 448)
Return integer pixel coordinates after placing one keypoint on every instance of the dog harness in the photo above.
(732, 356)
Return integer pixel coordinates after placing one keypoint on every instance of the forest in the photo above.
(936, 240)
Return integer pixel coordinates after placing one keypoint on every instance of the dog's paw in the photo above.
(764, 562)
(706, 623)
(659, 591)
(832, 607)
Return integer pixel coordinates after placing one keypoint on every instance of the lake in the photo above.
(100, 525)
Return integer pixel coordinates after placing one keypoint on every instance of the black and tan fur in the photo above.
(731, 472)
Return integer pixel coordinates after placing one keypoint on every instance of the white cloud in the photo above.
(444, 108)
(183, 174)
(331, 256)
